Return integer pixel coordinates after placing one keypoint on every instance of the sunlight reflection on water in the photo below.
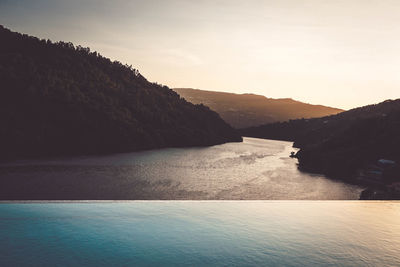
(254, 169)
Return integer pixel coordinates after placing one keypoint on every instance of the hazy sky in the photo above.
(339, 53)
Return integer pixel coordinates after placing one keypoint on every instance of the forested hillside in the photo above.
(59, 99)
(341, 144)
(246, 110)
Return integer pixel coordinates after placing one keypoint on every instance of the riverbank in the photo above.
(342, 145)
(381, 178)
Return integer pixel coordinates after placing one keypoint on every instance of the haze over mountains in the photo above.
(58, 99)
(246, 110)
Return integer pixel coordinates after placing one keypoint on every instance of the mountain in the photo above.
(246, 110)
(341, 145)
(58, 99)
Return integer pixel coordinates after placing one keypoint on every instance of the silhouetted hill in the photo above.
(341, 144)
(246, 110)
(58, 99)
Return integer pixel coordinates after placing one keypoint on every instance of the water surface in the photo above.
(202, 233)
(254, 169)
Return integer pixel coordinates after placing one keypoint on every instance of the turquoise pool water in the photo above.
(200, 233)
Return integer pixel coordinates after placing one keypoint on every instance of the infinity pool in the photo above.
(200, 233)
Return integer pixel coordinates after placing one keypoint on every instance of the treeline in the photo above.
(59, 99)
(341, 144)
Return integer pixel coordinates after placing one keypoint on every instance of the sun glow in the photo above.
(342, 54)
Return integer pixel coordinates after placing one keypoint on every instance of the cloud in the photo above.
(180, 57)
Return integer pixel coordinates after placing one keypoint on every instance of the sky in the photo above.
(342, 53)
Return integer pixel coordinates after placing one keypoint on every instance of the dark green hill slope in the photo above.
(246, 110)
(58, 99)
(341, 144)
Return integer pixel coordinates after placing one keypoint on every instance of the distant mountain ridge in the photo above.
(246, 110)
(58, 99)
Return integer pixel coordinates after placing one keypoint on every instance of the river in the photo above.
(254, 169)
